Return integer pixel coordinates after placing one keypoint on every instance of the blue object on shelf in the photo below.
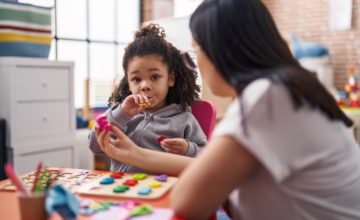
(307, 49)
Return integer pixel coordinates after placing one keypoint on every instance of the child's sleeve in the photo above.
(118, 117)
(114, 115)
(195, 137)
(93, 143)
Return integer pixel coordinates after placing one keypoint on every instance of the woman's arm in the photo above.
(160, 162)
(125, 150)
(205, 184)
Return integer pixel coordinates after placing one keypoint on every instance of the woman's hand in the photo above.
(130, 105)
(175, 145)
(121, 149)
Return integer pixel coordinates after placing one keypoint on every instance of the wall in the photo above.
(154, 9)
(309, 20)
(146, 10)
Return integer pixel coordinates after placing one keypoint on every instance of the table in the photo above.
(9, 206)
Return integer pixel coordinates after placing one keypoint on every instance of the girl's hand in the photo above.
(121, 149)
(175, 145)
(131, 104)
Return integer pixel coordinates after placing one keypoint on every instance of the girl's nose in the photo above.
(145, 87)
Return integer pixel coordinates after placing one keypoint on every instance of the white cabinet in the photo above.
(37, 101)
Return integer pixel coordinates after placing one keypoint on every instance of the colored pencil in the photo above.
(38, 170)
(15, 179)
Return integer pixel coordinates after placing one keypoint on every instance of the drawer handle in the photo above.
(45, 119)
(44, 84)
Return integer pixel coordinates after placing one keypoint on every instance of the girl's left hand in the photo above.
(175, 145)
(121, 149)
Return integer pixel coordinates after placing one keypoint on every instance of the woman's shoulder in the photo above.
(256, 90)
(260, 95)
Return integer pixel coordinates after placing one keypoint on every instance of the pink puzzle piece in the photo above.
(103, 123)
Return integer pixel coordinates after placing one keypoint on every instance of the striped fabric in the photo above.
(25, 30)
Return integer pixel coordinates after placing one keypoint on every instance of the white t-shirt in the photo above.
(311, 164)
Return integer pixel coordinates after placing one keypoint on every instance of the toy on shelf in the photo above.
(351, 96)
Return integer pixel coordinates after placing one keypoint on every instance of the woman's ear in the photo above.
(172, 79)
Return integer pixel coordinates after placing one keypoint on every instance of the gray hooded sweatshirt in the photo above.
(145, 128)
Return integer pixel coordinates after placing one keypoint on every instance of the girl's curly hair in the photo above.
(150, 40)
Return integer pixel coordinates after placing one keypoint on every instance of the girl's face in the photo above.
(210, 75)
(149, 76)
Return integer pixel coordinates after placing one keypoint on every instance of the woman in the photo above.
(283, 150)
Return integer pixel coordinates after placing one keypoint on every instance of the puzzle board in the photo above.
(70, 179)
(95, 188)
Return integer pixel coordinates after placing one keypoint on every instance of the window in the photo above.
(93, 34)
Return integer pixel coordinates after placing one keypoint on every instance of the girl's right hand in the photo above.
(131, 104)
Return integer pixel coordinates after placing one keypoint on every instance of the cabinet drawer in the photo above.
(40, 119)
(58, 157)
(41, 83)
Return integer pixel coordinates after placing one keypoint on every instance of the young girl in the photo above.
(151, 103)
(283, 149)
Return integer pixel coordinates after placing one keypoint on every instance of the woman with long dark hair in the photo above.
(283, 149)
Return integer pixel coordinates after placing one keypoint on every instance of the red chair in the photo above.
(205, 114)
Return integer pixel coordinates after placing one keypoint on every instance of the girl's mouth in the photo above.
(151, 98)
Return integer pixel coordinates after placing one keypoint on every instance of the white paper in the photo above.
(340, 14)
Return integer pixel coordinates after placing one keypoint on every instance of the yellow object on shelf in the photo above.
(92, 123)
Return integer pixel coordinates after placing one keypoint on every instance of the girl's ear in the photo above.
(172, 79)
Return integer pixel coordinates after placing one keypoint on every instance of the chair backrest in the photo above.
(205, 114)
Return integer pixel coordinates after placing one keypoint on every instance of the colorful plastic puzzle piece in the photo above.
(161, 178)
(155, 184)
(130, 204)
(161, 138)
(144, 191)
(140, 210)
(140, 176)
(103, 123)
(107, 181)
(116, 175)
(130, 182)
(120, 189)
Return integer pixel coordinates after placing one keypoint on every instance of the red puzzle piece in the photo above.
(161, 138)
(116, 175)
(130, 182)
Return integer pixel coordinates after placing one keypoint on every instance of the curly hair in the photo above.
(150, 40)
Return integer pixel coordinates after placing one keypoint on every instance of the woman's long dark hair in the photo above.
(150, 40)
(243, 42)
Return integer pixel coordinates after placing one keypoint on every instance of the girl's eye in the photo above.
(155, 77)
(136, 80)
